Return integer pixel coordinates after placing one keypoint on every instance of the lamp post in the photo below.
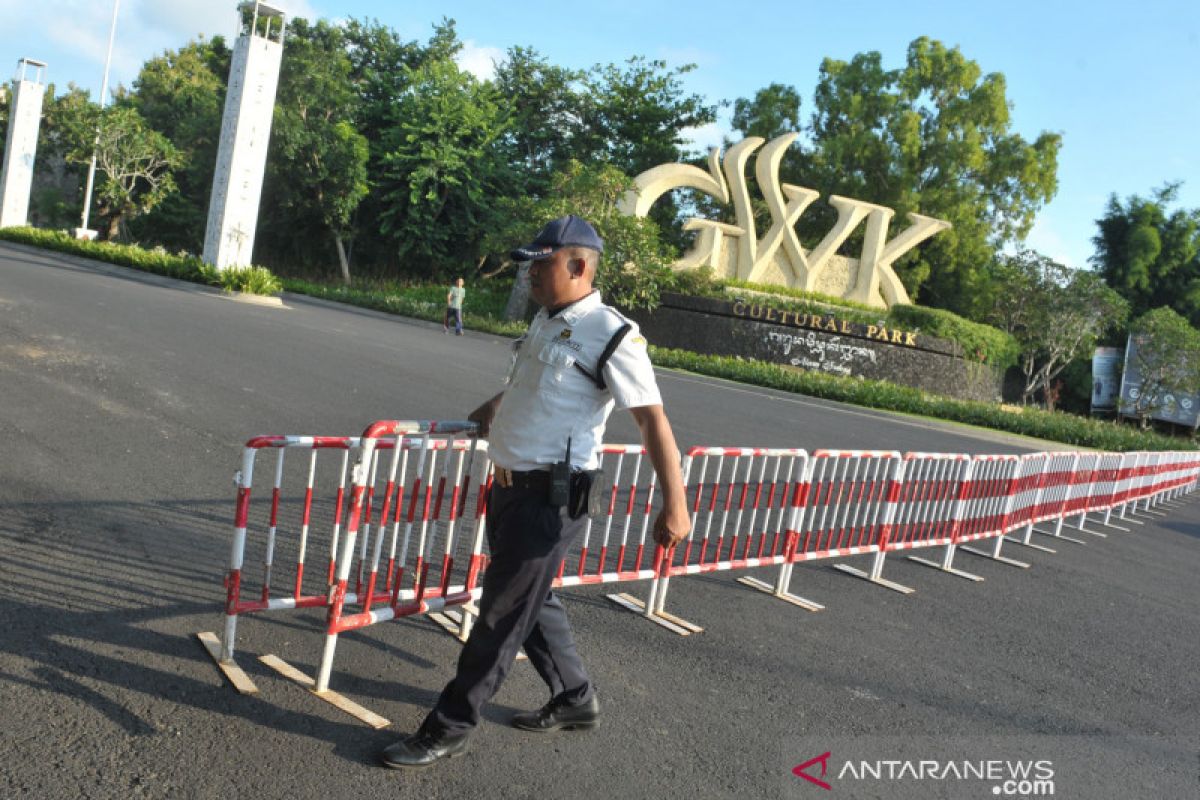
(82, 231)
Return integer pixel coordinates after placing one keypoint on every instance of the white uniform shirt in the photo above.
(548, 399)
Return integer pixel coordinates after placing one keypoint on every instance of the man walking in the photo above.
(578, 360)
(454, 308)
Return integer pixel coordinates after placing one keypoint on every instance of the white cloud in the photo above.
(145, 28)
(479, 60)
(705, 137)
(1046, 239)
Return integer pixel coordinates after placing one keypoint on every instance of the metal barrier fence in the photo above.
(426, 503)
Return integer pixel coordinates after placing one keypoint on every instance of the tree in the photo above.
(317, 165)
(634, 266)
(381, 67)
(935, 137)
(773, 111)
(442, 167)
(545, 112)
(1167, 360)
(636, 116)
(181, 94)
(1053, 312)
(133, 162)
(1150, 254)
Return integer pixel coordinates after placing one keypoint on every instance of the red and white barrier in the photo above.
(235, 604)
(1019, 504)
(930, 503)
(985, 498)
(620, 534)
(435, 504)
(744, 503)
(414, 518)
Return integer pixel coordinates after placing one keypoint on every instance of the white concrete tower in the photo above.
(24, 119)
(245, 134)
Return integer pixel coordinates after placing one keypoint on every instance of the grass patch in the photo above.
(483, 308)
(185, 267)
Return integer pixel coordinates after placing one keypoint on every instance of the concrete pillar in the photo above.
(24, 119)
(245, 134)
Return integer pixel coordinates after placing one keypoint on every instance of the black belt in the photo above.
(515, 479)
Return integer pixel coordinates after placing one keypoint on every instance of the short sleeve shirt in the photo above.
(550, 400)
(457, 293)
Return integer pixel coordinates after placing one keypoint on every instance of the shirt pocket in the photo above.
(558, 367)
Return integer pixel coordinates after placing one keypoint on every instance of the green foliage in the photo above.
(317, 166)
(633, 269)
(1053, 426)
(544, 112)
(933, 136)
(1151, 254)
(978, 341)
(133, 162)
(1054, 313)
(441, 170)
(251, 280)
(636, 114)
(774, 111)
(181, 94)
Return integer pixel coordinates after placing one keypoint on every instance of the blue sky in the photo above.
(1119, 81)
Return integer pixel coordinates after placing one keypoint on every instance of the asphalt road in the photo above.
(124, 399)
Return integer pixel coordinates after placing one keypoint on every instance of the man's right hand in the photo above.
(484, 415)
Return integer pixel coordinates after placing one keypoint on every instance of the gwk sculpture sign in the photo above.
(777, 257)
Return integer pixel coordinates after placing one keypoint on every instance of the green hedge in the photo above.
(979, 342)
(1053, 426)
(252, 280)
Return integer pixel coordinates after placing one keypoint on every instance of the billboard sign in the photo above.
(1181, 409)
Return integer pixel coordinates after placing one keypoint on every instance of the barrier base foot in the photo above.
(949, 570)
(1114, 527)
(1131, 519)
(1153, 512)
(452, 621)
(1093, 533)
(858, 573)
(333, 698)
(1024, 543)
(1012, 562)
(236, 675)
(668, 621)
(1060, 536)
(787, 597)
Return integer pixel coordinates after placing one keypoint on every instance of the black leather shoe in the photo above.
(422, 749)
(553, 716)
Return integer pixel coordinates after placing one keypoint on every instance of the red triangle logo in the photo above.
(799, 770)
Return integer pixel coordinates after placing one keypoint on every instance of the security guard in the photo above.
(578, 360)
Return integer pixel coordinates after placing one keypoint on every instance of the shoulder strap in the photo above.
(613, 343)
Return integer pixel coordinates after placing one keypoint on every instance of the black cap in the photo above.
(568, 231)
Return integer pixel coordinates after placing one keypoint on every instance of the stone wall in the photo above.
(822, 342)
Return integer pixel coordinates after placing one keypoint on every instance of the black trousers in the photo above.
(528, 539)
